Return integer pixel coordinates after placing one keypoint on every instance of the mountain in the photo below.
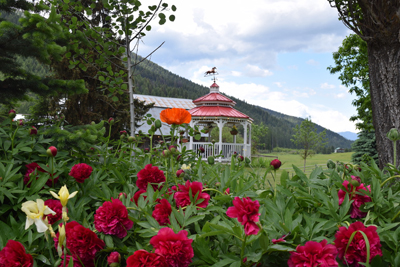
(152, 79)
(349, 135)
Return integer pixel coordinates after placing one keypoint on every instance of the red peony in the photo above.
(276, 164)
(355, 194)
(137, 195)
(112, 219)
(142, 258)
(52, 151)
(14, 255)
(114, 258)
(176, 248)
(33, 131)
(357, 251)
(162, 211)
(82, 242)
(182, 197)
(81, 172)
(180, 173)
(30, 169)
(150, 175)
(54, 205)
(314, 254)
(246, 212)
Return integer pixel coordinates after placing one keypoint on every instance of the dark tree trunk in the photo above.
(384, 69)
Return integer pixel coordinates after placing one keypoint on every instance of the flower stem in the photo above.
(243, 247)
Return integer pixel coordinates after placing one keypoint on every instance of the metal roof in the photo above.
(214, 97)
(166, 102)
(217, 111)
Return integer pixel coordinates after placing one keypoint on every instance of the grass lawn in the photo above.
(288, 160)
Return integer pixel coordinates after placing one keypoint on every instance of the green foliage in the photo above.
(308, 139)
(365, 148)
(258, 132)
(351, 62)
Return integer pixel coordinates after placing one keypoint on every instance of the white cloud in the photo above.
(236, 73)
(341, 95)
(299, 94)
(312, 92)
(255, 71)
(312, 62)
(279, 84)
(327, 86)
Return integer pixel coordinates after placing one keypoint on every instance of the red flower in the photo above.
(137, 195)
(81, 172)
(54, 205)
(142, 258)
(151, 175)
(357, 251)
(180, 172)
(182, 197)
(314, 254)
(246, 212)
(176, 248)
(114, 257)
(31, 168)
(112, 219)
(82, 242)
(162, 211)
(227, 191)
(175, 116)
(14, 255)
(276, 164)
(354, 194)
(33, 131)
(52, 151)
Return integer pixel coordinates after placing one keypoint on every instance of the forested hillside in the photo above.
(151, 79)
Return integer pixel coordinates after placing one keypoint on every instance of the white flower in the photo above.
(34, 214)
(186, 167)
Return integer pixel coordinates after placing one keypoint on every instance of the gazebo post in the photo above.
(245, 139)
(249, 152)
(191, 137)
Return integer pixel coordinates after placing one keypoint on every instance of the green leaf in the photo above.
(101, 78)
(148, 28)
(172, 18)
(115, 99)
(43, 259)
(173, 7)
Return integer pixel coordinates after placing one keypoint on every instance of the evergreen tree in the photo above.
(33, 36)
(365, 148)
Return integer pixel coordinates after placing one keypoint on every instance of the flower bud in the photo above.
(227, 191)
(20, 122)
(393, 134)
(33, 131)
(276, 164)
(354, 183)
(146, 150)
(12, 114)
(217, 184)
(122, 136)
(247, 160)
(201, 149)
(157, 124)
(93, 123)
(180, 173)
(52, 151)
(165, 153)
(111, 120)
(172, 149)
(330, 164)
(211, 160)
(178, 157)
(122, 195)
(240, 158)
(122, 132)
(213, 141)
(114, 259)
(131, 139)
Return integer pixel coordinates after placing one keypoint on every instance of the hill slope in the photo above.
(151, 79)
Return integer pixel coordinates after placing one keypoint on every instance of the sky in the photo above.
(271, 53)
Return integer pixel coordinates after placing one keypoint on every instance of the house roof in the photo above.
(217, 111)
(214, 97)
(166, 102)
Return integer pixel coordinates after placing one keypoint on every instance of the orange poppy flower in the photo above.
(176, 116)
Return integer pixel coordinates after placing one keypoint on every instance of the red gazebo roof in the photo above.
(217, 111)
(214, 97)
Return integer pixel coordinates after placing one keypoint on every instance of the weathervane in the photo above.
(211, 72)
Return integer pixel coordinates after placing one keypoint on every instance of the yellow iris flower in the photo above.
(63, 195)
(34, 214)
(186, 167)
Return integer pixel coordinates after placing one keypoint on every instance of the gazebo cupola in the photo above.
(215, 109)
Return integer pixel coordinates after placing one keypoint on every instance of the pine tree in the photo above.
(365, 148)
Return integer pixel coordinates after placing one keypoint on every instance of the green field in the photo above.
(288, 160)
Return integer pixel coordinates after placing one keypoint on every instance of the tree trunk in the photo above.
(384, 71)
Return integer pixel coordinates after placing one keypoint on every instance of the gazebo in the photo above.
(215, 109)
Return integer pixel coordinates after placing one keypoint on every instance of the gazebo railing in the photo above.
(228, 149)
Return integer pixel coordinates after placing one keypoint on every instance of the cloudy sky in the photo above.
(271, 53)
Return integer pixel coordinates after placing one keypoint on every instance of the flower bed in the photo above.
(108, 203)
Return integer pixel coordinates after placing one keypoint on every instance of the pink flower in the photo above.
(162, 211)
(176, 248)
(137, 195)
(227, 191)
(13, 255)
(150, 175)
(81, 172)
(276, 164)
(314, 254)
(358, 196)
(30, 169)
(52, 151)
(357, 250)
(142, 258)
(112, 219)
(54, 205)
(114, 258)
(182, 197)
(246, 212)
(82, 242)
